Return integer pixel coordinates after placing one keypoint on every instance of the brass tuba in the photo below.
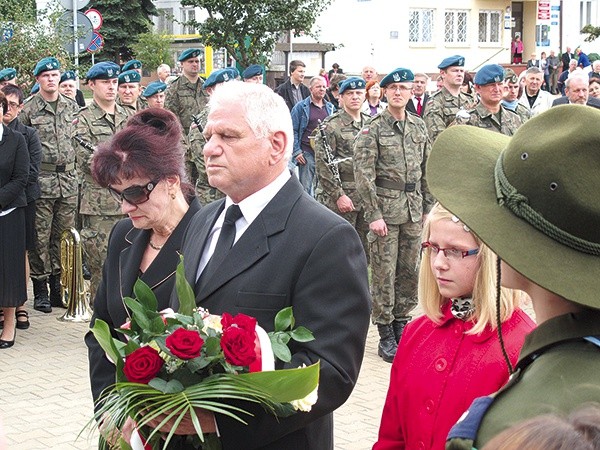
(75, 296)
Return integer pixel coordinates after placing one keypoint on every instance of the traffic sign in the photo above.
(95, 17)
(97, 43)
(85, 32)
(6, 33)
(68, 4)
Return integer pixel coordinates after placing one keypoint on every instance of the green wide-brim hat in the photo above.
(534, 199)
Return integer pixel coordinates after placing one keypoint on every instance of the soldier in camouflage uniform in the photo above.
(390, 154)
(130, 91)
(98, 122)
(444, 104)
(338, 192)
(185, 95)
(204, 191)
(53, 116)
(489, 112)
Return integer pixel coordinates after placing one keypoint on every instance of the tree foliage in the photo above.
(123, 22)
(249, 29)
(17, 10)
(153, 49)
(592, 32)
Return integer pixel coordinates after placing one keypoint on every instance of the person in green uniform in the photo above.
(533, 199)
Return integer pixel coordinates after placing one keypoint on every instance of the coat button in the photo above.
(421, 444)
(441, 364)
(429, 406)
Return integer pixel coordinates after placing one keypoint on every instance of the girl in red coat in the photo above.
(452, 353)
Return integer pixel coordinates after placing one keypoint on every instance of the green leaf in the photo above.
(139, 314)
(302, 334)
(145, 295)
(185, 293)
(284, 319)
(157, 326)
(166, 387)
(102, 334)
(281, 351)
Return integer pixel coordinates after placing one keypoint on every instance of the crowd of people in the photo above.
(429, 203)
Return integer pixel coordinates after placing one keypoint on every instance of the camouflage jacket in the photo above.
(481, 117)
(184, 99)
(141, 103)
(96, 126)
(441, 110)
(55, 130)
(387, 152)
(340, 130)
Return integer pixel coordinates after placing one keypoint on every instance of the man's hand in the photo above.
(300, 159)
(379, 227)
(344, 204)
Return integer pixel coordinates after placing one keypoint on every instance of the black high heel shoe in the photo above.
(8, 344)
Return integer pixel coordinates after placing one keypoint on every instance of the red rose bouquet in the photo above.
(174, 363)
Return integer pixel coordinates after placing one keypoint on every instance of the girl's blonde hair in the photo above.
(484, 289)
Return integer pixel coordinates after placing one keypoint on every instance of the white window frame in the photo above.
(425, 38)
(187, 14)
(164, 23)
(454, 41)
(488, 27)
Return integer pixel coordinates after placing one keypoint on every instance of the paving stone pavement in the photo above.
(45, 398)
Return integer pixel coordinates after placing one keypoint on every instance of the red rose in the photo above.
(238, 340)
(142, 365)
(184, 344)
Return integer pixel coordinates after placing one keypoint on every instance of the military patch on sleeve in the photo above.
(365, 130)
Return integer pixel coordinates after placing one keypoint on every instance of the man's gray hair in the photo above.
(313, 80)
(535, 70)
(577, 74)
(264, 110)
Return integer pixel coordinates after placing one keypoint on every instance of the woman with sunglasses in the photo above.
(143, 168)
(452, 353)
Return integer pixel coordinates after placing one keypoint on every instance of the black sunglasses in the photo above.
(134, 195)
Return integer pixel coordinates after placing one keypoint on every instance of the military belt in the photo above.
(349, 177)
(395, 185)
(47, 167)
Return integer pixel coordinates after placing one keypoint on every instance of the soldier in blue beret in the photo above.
(219, 76)
(8, 76)
(68, 87)
(130, 90)
(35, 89)
(399, 75)
(133, 64)
(352, 83)
(45, 65)
(489, 112)
(189, 53)
(105, 70)
(155, 94)
(443, 106)
(253, 74)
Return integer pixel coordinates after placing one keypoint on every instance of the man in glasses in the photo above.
(389, 169)
(97, 123)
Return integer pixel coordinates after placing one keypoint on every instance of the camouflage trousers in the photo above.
(395, 272)
(52, 217)
(95, 231)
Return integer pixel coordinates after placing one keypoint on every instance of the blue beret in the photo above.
(7, 74)
(131, 76)
(68, 75)
(46, 64)
(189, 53)
(490, 73)
(155, 87)
(252, 71)
(35, 88)
(450, 61)
(103, 71)
(352, 83)
(133, 64)
(220, 76)
(399, 75)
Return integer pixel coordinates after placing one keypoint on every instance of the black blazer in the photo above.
(14, 169)
(564, 100)
(410, 106)
(34, 147)
(285, 90)
(295, 253)
(126, 246)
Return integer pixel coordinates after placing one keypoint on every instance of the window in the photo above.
(165, 20)
(420, 26)
(585, 14)
(489, 27)
(187, 14)
(455, 27)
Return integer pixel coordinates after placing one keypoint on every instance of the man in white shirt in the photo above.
(534, 98)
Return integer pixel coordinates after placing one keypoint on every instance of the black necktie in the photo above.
(224, 244)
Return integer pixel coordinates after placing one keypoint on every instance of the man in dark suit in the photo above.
(288, 251)
(420, 95)
(577, 91)
(566, 57)
(293, 91)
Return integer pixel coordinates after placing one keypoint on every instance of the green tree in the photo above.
(123, 22)
(153, 49)
(592, 32)
(249, 29)
(17, 10)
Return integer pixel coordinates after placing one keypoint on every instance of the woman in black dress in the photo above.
(14, 171)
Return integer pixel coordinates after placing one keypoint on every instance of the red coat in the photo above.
(438, 371)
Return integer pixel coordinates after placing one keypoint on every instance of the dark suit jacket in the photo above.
(14, 169)
(126, 246)
(285, 90)
(410, 106)
(34, 146)
(592, 101)
(295, 253)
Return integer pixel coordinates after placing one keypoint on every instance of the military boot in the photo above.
(398, 326)
(41, 302)
(387, 343)
(55, 294)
